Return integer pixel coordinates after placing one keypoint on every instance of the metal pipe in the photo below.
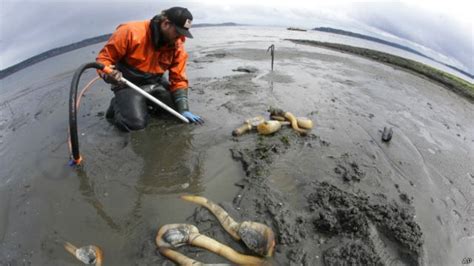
(153, 99)
(271, 48)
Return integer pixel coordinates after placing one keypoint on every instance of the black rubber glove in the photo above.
(114, 77)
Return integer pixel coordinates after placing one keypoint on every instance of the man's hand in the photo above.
(192, 117)
(114, 77)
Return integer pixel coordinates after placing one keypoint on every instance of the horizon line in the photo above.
(104, 37)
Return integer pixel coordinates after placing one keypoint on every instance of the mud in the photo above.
(349, 171)
(329, 214)
(339, 195)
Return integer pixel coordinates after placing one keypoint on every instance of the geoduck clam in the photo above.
(179, 258)
(269, 127)
(276, 113)
(248, 125)
(87, 254)
(303, 122)
(176, 235)
(257, 237)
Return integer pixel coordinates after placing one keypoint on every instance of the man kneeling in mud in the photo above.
(142, 51)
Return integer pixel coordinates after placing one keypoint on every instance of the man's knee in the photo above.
(130, 110)
(137, 124)
(130, 124)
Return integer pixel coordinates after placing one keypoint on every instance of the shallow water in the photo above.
(130, 183)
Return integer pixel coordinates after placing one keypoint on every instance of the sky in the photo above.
(445, 28)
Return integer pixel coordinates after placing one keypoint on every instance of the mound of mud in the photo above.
(338, 213)
(333, 227)
(354, 252)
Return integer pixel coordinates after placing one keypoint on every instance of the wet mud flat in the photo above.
(332, 200)
(325, 226)
(369, 229)
(450, 81)
(339, 195)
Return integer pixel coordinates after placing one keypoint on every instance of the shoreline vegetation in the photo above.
(296, 29)
(451, 82)
(396, 45)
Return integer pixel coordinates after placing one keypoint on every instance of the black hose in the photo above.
(76, 157)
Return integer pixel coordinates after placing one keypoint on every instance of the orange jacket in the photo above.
(131, 49)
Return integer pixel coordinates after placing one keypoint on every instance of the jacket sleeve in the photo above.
(115, 48)
(177, 71)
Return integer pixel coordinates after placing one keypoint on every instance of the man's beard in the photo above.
(167, 40)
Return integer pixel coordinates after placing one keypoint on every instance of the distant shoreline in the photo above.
(102, 38)
(51, 53)
(77, 45)
(396, 45)
(448, 80)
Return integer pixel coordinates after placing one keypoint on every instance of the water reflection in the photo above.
(86, 187)
(171, 165)
(155, 162)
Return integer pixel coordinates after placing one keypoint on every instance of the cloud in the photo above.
(445, 34)
(30, 27)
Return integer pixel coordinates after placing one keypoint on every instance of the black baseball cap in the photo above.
(181, 18)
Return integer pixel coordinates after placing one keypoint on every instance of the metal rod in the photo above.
(271, 48)
(153, 99)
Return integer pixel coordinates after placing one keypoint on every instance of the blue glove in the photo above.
(192, 117)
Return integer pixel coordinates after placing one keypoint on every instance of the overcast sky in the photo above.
(30, 27)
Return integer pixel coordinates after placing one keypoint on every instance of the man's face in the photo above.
(169, 31)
